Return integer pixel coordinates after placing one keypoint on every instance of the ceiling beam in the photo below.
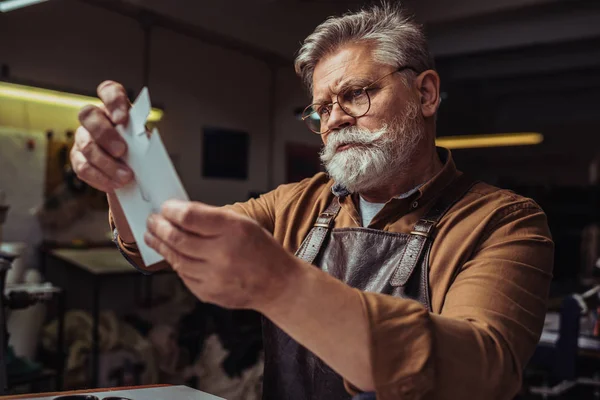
(526, 60)
(523, 12)
(553, 22)
(146, 16)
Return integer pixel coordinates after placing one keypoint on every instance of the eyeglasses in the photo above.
(354, 101)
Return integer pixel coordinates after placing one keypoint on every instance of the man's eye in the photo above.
(358, 92)
(323, 110)
(353, 95)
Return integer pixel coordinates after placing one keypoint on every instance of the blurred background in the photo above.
(520, 109)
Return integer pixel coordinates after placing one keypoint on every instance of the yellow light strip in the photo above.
(56, 98)
(495, 140)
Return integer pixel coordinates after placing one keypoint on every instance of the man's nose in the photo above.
(339, 119)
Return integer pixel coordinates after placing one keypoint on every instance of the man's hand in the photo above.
(228, 259)
(223, 257)
(96, 154)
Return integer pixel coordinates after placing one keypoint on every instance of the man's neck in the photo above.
(422, 170)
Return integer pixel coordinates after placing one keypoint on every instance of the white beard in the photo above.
(378, 156)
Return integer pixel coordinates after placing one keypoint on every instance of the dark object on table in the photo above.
(116, 398)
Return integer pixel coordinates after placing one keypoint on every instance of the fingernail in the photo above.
(116, 185)
(118, 115)
(148, 239)
(124, 175)
(117, 149)
(174, 203)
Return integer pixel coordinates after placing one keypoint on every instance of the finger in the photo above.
(171, 255)
(114, 97)
(92, 175)
(111, 167)
(185, 242)
(185, 274)
(196, 217)
(102, 131)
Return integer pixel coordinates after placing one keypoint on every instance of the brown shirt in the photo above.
(490, 272)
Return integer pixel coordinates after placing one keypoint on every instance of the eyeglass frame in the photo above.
(365, 88)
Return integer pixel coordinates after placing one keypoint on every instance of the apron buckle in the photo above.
(424, 234)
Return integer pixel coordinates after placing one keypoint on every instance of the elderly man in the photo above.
(394, 273)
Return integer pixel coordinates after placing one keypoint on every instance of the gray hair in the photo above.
(398, 39)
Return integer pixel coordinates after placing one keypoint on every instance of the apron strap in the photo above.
(421, 236)
(310, 247)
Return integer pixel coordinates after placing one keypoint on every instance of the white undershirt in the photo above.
(369, 210)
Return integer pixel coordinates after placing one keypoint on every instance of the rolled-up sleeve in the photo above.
(132, 254)
(488, 327)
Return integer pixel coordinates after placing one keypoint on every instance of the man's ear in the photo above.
(428, 85)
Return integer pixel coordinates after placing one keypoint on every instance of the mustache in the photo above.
(352, 135)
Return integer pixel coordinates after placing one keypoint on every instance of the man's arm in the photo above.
(262, 210)
(123, 238)
(489, 325)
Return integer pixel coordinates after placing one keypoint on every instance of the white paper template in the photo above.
(156, 180)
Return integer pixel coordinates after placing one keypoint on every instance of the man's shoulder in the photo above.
(486, 209)
(492, 203)
(310, 189)
(497, 197)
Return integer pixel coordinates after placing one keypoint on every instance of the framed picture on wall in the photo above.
(225, 153)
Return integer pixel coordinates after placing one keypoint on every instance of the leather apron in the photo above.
(371, 260)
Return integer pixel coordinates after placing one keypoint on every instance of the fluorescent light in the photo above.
(56, 98)
(495, 140)
(10, 5)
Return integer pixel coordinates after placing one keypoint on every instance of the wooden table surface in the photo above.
(96, 261)
(33, 396)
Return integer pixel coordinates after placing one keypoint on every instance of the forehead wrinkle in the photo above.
(331, 87)
(345, 82)
(347, 64)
